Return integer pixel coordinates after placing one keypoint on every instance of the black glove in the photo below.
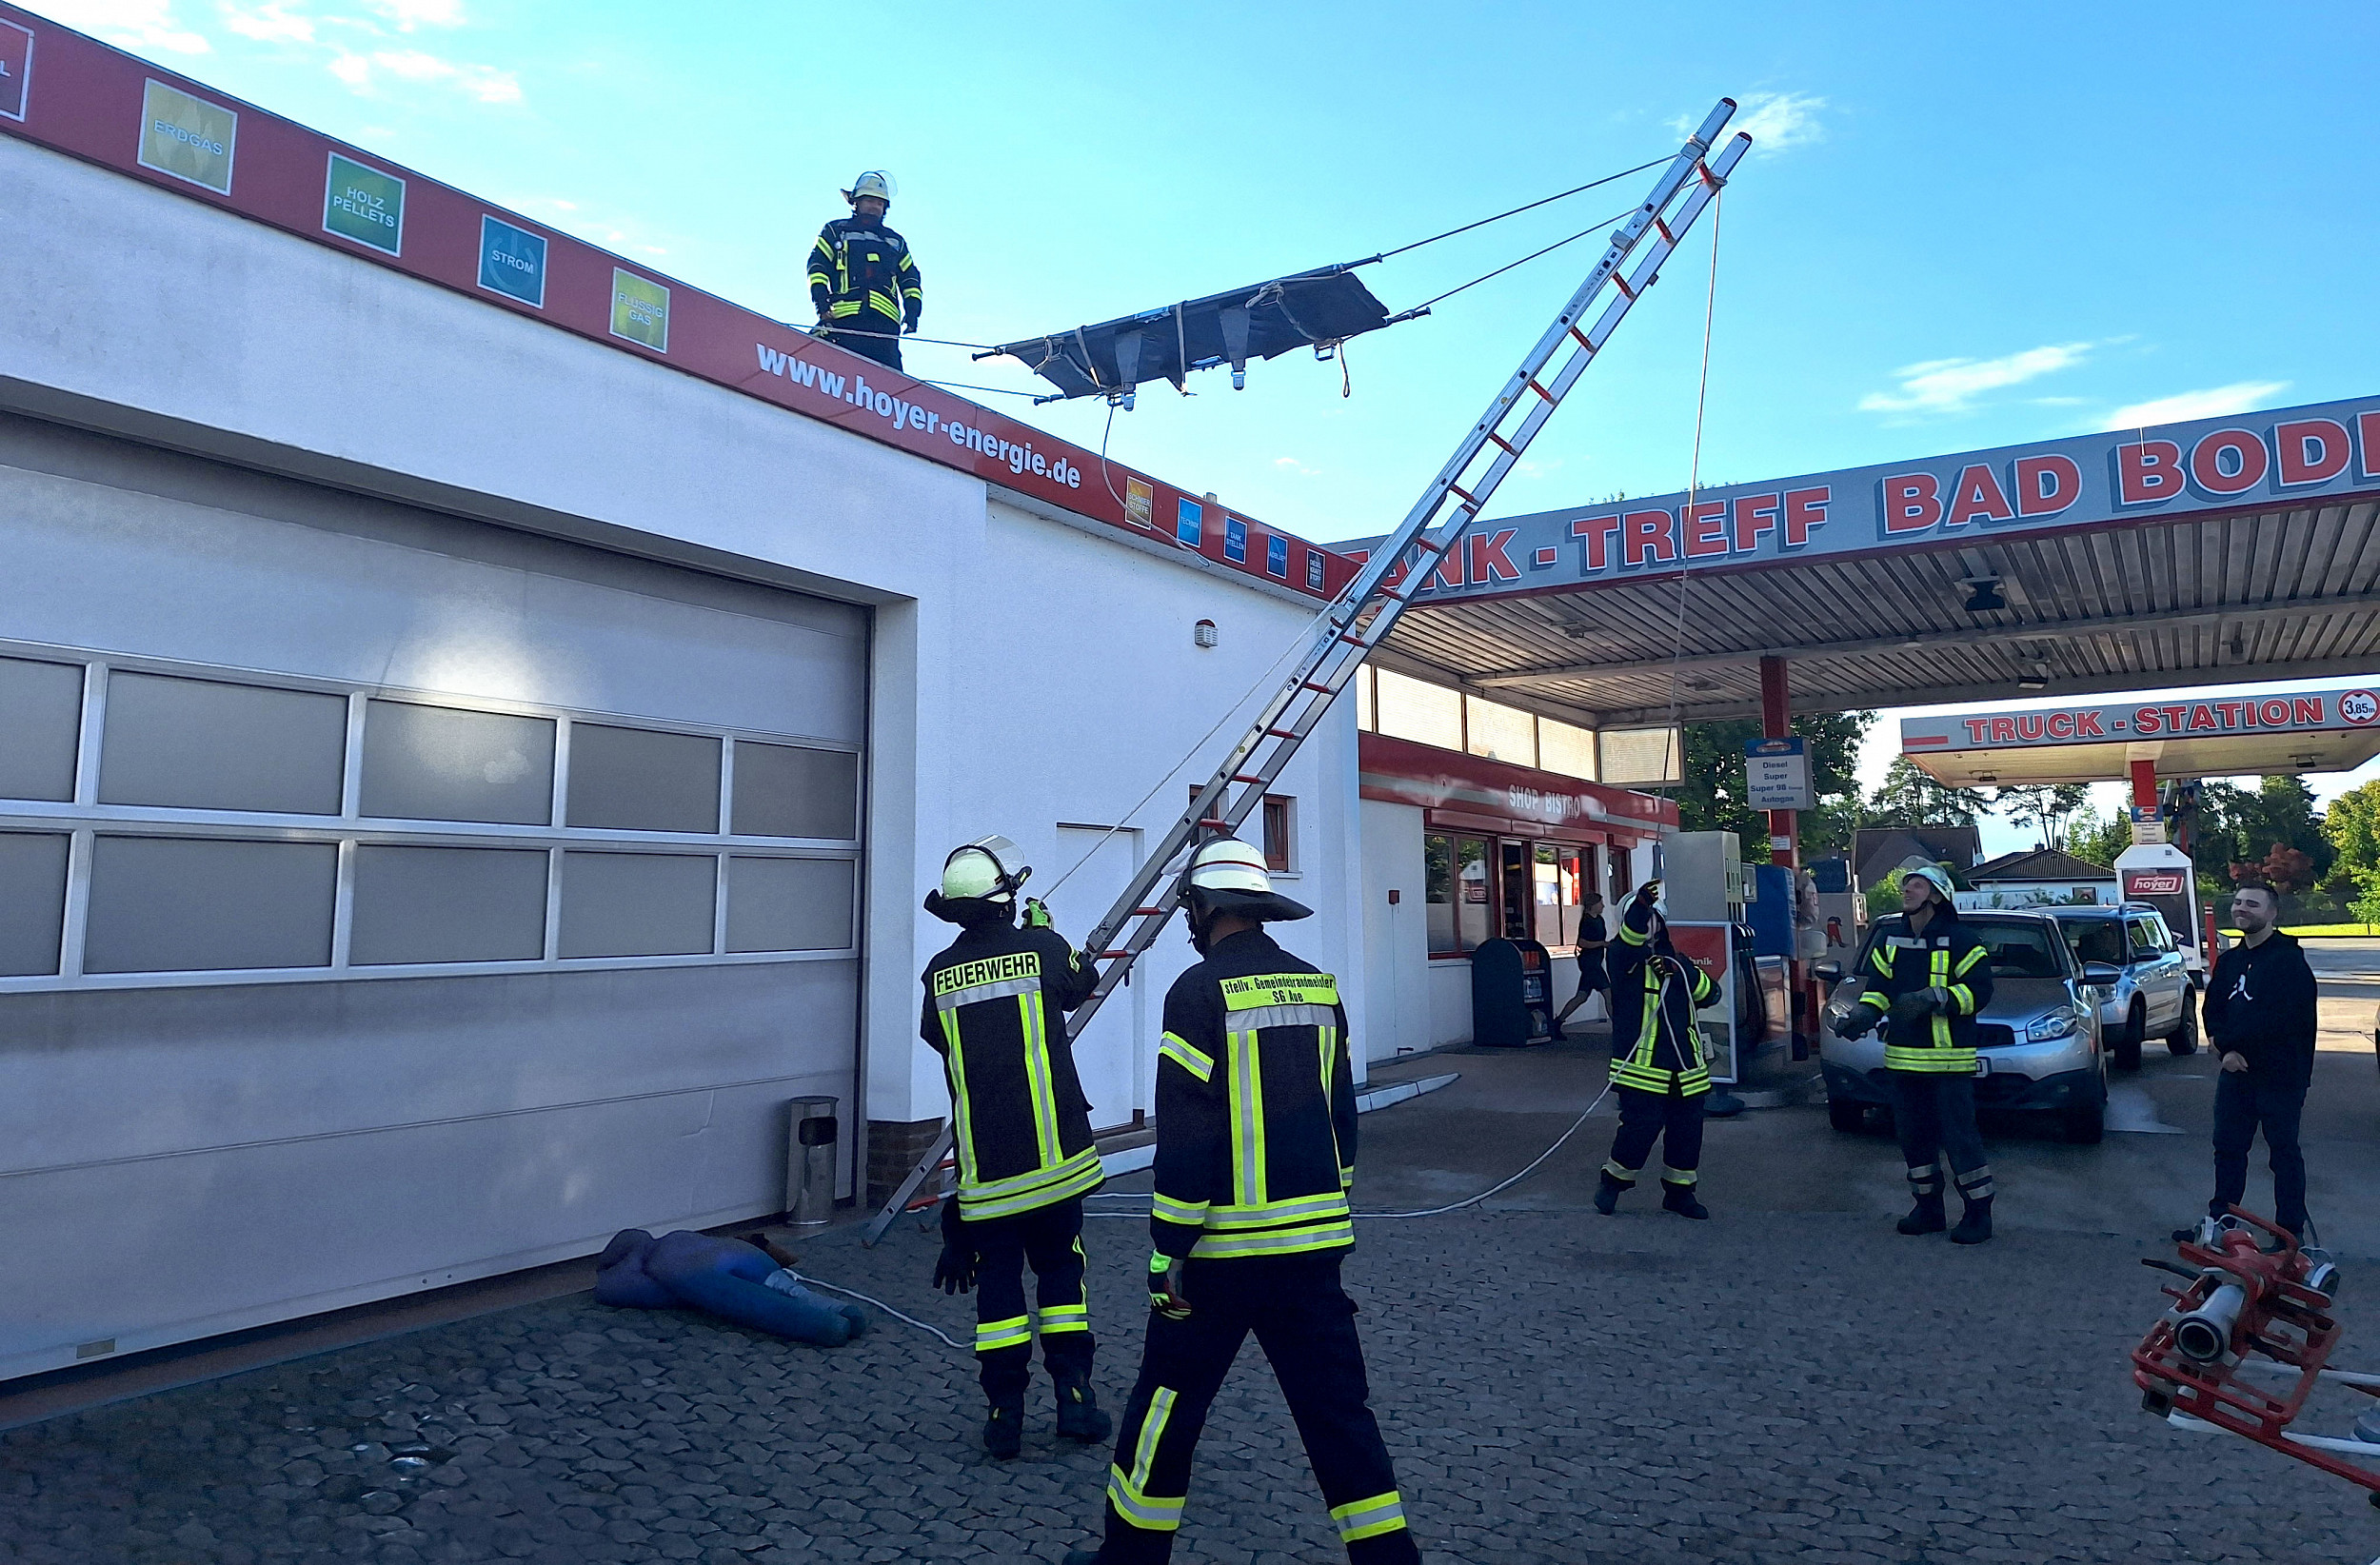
(1908, 1016)
(1859, 1024)
(954, 1270)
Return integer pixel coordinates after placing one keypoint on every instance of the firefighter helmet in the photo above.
(1934, 876)
(980, 882)
(872, 182)
(1228, 876)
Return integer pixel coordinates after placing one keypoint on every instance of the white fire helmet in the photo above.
(872, 182)
(1934, 876)
(1229, 876)
(989, 867)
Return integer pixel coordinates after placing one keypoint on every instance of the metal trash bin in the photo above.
(812, 1135)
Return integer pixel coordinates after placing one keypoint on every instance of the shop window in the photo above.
(205, 745)
(1500, 732)
(1410, 708)
(637, 905)
(789, 904)
(32, 910)
(424, 762)
(1277, 837)
(1437, 891)
(1559, 888)
(1567, 750)
(41, 711)
(1623, 880)
(418, 904)
(172, 905)
(641, 780)
(784, 790)
(1474, 895)
(1513, 880)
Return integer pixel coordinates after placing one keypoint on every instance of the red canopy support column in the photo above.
(2145, 785)
(1785, 844)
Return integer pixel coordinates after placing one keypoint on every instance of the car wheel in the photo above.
(2085, 1126)
(1846, 1115)
(2184, 1039)
(2125, 1046)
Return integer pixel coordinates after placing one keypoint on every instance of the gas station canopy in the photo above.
(2330, 731)
(2222, 551)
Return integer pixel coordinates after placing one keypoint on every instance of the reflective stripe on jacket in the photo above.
(1256, 1108)
(1659, 991)
(1948, 958)
(995, 1007)
(857, 268)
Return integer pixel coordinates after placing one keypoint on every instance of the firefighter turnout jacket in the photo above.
(1947, 957)
(1659, 991)
(1256, 1108)
(995, 1005)
(863, 276)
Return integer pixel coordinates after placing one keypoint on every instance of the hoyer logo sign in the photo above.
(2315, 710)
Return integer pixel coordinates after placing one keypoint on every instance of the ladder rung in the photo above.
(1506, 443)
(1621, 283)
(1702, 172)
(1148, 912)
(1541, 390)
(1309, 684)
(1469, 499)
(1244, 777)
(1353, 638)
(1282, 733)
(1582, 339)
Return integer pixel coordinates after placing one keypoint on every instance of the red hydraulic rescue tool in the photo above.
(2250, 1310)
(1370, 603)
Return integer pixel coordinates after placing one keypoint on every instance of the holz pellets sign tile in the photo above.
(365, 205)
(186, 137)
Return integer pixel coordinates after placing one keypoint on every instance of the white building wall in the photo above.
(1026, 671)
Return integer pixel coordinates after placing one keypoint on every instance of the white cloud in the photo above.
(128, 24)
(486, 83)
(408, 14)
(1291, 465)
(1952, 385)
(268, 21)
(2215, 402)
(1775, 120)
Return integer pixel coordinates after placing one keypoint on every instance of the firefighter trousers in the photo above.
(1306, 1326)
(1674, 1119)
(1935, 1113)
(1048, 1239)
(869, 336)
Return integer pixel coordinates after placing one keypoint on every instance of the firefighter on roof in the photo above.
(863, 278)
(1658, 1068)
(995, 1010)
(1926, 980)
(1256, 1151)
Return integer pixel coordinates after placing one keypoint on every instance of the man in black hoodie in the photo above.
(2260, 1014)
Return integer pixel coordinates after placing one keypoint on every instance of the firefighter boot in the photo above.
(1003, 1429)
(1927, 1216)
(1608, 1191)
(1078, 1415)
(1974, 1223)
(1680, 1199)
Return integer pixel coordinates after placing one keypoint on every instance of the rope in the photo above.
(1593, 228)
(993, 390)
(854, 1292)
(1518, 210)
(1452, 1206)
(1694, 481)
(827, 331)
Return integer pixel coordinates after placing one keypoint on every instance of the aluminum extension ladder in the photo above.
(1367, 606)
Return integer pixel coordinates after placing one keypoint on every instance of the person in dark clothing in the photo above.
(1658, 1066)
(1927, 982)
(1592, 976)
(863, 278)
(1256, 1151)
(2260, 1014)
(995, 1007)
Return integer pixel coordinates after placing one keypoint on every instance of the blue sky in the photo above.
(1964, 227)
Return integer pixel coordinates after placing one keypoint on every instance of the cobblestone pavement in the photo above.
(1780, 1384)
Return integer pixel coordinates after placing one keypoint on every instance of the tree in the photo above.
(1711, 796)
(2366, 907)
(2097, 839)
(2283, 868)
(1910, 798)
(2045, 804)
(2353, 826)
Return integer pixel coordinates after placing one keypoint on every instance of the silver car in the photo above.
(2036, 1043)
(2152, 995)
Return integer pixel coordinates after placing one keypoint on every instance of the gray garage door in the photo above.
(389, 899)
